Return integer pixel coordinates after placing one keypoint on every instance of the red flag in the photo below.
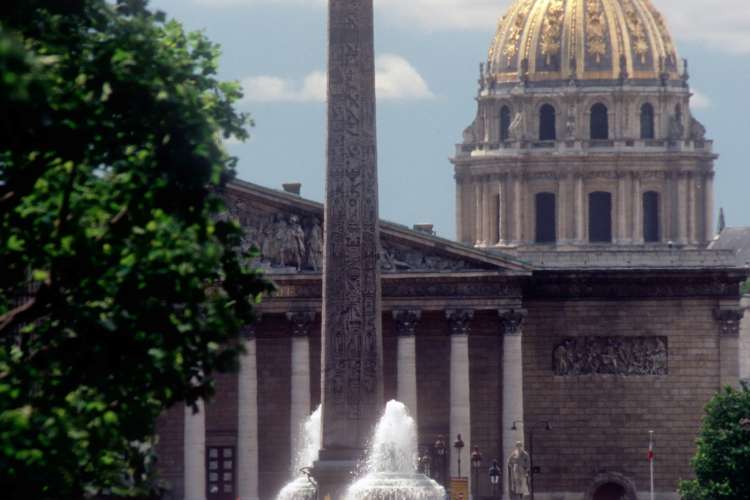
(651, 451)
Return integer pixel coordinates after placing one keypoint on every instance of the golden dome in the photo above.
(549, 40)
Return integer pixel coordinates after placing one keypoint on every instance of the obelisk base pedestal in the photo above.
(334, 472)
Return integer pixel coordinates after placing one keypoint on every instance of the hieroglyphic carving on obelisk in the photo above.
(352, 347)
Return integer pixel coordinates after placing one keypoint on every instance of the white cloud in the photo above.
(699, 100)
(722, 24)
(395, 78)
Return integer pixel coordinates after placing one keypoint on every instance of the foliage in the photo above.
(122, 287)
(745, 288)
(722, 462)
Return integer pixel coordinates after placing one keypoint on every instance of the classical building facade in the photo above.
(581, 307)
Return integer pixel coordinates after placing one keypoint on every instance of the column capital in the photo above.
(249, 331)
(301, 322)
(729, 319)
(511, 321)
(459, 320)
(406, 321)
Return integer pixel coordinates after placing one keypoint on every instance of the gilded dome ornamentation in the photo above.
(560, 40)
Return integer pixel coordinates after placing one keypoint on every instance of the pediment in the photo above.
(288, 231)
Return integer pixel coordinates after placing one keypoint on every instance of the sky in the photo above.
(427, 62)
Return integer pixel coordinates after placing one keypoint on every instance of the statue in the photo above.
(294, 243)
(697, 130)
(519, 466)
(517, 127)
(563, 358)
(570, 123)
(676, 127)
(470, 133)
(315, 248)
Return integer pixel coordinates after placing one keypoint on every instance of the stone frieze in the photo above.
(626, 356)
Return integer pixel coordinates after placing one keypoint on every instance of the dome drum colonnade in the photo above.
(610, 132)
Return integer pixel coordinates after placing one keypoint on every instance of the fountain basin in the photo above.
(395, 486)
(299, 489)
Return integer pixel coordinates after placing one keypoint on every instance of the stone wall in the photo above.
(601, 422)
(170, 448)
(745, 341)
(274, 403)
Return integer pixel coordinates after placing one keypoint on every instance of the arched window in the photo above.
(547, 130)
(546, 219)
(647, 121)
(599, 122)
(651, 229)
(600, 217)
(504, 123)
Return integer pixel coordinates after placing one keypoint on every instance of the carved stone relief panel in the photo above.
(627, 356)
(285, 240)
(396, 257)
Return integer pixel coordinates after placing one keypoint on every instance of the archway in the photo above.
(610, 491)
(611, 486)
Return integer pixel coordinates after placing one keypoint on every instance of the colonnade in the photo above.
(498, 209)
(407, 326)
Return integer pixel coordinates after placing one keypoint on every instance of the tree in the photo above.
(722, 462)
(745, 288)
(122, 284)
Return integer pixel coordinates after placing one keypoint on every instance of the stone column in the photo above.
(563, 209)
(683, 208)
(460, 209)
(301, 325)
(638, 211)
(510, 324)
(247, 422)
(708, 207)
(692, 210)
(668, 202)
(729, 316)
(488, 218)
(501, 214)
(622, 208)
(460, 400)
(352, 357)
(580, 220)
(406, 359)
(517, 210)
(195, 452)
(478, 211)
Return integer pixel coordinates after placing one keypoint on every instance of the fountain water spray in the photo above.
(392, 460)
(308, 444)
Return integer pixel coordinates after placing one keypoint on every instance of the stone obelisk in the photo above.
(352, 390)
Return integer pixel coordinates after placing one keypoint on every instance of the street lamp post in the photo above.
(476, 464)
(494, 477)
(439, 447)
(548, 427)
(459, 445)
(426, 464)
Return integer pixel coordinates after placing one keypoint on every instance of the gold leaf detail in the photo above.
(637, 32)
(514, 36)
(552, 31)
(596, 29)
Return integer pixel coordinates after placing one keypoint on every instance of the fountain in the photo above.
(301, 487)
(390, 471)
